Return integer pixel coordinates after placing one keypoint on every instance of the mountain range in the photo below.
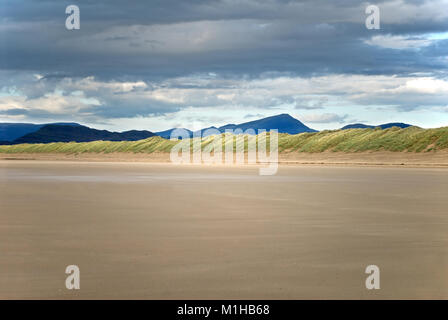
(284, 123)
(382, 126)
(16, 133)
(12, 131)
(77, 133)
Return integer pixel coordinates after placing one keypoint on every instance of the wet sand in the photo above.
(161, 231)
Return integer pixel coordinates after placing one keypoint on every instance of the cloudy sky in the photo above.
(193, 63)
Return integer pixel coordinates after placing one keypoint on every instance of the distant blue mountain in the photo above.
(394, 124)
(11, 131)
(356, 126)
(284, 123)
(167, 133)
(14, 133)
(78, 133)
(382, 126)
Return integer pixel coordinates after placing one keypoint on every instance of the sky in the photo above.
(160, 64)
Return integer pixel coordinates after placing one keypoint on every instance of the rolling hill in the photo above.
(79, 133)
(382, 126)
(12, 131)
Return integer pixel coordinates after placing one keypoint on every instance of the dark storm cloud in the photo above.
(144, 39)
(38, 114)
(123, 109)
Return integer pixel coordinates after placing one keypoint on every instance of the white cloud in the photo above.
(398, 42)
(324, 118)
(424, 85)
(89, 98)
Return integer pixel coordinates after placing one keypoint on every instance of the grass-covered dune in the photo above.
(411, 139)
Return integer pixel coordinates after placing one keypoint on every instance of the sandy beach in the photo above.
(437, 159)
(162, 231)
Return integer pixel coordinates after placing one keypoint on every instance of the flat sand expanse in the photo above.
(160, 231)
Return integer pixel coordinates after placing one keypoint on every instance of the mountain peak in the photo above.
(284, 123)
(283, 115)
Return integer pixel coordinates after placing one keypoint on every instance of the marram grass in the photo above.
(411, 139)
